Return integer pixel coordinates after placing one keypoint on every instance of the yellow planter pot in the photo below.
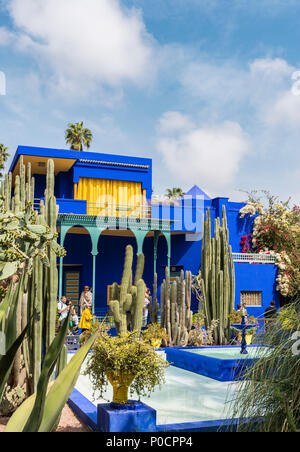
(156, 343)
(120, 386)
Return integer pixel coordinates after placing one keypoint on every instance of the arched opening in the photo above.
(110, 262)
(75, 269)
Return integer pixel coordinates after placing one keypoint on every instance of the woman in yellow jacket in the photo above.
(86, 319)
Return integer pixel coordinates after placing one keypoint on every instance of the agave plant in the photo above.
(28, 252)
(78, 136)
(268, 396)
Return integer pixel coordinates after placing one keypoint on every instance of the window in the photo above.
(251, 298)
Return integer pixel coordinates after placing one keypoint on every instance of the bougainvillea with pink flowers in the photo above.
(276, 231)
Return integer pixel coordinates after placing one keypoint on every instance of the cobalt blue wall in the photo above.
(105, 169)
(109, 266)
(109, 262)
(257, 277)
(111, 248)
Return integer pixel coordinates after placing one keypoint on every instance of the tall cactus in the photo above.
(217, 276)
(154, 306)
(39, 302)
(127, 305)
(176, 314)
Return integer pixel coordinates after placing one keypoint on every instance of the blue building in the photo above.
(105, 202)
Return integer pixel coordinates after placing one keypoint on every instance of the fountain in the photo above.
(243, 327)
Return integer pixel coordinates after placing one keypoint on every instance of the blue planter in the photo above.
(132, 417)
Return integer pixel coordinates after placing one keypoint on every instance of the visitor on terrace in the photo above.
(85, 298)
(63, 309)
(87, 317)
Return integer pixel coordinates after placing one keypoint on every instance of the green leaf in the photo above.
(8, 270)
(12, 226)
(7, 361)
(57, 395)
(49, 363)
(63, 386)
(37, 228)
(18, 420)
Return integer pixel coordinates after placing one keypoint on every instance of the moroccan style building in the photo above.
(105, 203)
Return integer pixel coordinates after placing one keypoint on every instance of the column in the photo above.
(140, 237)
(168, 239)
(155, 242)
(95, 235)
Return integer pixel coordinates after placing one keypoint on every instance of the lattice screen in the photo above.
(251, 298)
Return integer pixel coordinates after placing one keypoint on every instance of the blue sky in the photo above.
(204, 87)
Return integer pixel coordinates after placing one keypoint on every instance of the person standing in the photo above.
(63, 310)
(87, 317)
(85, 298)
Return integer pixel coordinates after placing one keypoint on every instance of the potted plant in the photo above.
(154, 335)
(126, 362)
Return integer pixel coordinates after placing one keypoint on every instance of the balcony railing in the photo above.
(254, 258)
(119, 210)
(156, 215)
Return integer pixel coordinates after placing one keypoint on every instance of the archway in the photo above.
(110, 262)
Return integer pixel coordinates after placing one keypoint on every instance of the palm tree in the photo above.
(3, 157)
(78, 136)
(174, 193)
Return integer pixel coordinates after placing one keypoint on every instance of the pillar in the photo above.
(95, 233)
(155, 242)
(168, 239)
(140, 237)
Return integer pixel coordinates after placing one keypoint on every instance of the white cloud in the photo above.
(174, 121)
(260, 97)
(6, 37)
(209, 156)
(87, 41)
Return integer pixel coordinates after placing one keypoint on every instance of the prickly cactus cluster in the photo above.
(176, 314)
(127, 302)
(217, 277)
(28, 250)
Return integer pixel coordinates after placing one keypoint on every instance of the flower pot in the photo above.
(120, 384)
(156, 343)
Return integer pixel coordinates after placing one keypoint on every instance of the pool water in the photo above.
(229, 353)
(186, 397)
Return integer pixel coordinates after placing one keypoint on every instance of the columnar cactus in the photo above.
(37, 250)
(127, 304)
(217, 277)
(176, 314)
(154, 307)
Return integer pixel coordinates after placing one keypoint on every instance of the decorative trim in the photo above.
(99, 162)
(143, 224)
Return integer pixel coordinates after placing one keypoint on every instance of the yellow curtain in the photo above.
(111, 197)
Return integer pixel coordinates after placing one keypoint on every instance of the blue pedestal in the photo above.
(132, 417)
